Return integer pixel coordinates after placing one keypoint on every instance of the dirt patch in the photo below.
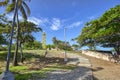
(104, 70)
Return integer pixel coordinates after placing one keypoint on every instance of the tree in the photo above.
(3, 28)
(2, 40)
(4, 74)
(86, 38)
(75, 46)
(33, 45)
(55, 42)
(61, 44)
(25, 34)
(49, 46)
(103, 31)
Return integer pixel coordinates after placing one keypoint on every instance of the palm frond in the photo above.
(22, 10)
(4, 3)
(10, 7)
(27, 8)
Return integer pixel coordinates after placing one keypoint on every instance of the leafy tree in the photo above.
(49, 46)
(61, 44)
(75, 46)
(33, 45)
(25, 34)
(55, 42)
(3, 24)
(103, 31)
(2, 40)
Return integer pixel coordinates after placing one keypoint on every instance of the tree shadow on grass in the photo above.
(27, 55)
(3, 55)
(35, 71)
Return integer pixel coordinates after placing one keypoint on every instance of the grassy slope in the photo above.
(35, 65)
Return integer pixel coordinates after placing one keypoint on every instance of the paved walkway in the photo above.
(82, 72)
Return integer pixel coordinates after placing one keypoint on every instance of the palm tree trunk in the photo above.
(15, 59)
(21, 51)
(9, 49)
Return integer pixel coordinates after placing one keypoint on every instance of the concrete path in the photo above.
(82, 72)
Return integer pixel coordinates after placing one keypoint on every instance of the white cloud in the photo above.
(91, 17)
(75, 24)
(35, 20)
(10, 17)
(56, 24)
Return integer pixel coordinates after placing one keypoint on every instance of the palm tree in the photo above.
(7, 74)
(25, 11)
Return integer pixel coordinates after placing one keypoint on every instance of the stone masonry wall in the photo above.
(100, 55)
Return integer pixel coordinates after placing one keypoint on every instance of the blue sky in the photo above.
(53, 15)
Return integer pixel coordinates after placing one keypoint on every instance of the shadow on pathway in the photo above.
(82, 72)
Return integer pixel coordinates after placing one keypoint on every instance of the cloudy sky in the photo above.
(53, 15)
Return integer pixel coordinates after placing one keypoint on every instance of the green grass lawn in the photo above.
(35, 65)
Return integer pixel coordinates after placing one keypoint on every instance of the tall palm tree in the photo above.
(7, 75)
(25, 11)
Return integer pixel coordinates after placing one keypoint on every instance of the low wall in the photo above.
(100, 55)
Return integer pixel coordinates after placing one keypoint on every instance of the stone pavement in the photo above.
(82, 72)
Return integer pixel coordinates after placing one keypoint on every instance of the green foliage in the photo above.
(10, 7)
(4, 28)
(49, 46)
(61, 44)
(103, 31)
(18, 68)
(2, 40)
(75, 46)
(3, 3)
(24, 71)
(22, 6)
(26, 29)
(33, 45)
(2, 48)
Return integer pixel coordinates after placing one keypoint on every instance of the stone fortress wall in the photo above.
(100, 55)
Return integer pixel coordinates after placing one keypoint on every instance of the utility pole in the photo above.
(7, 75)
(65, 55)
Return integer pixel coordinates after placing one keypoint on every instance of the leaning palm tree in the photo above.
(25, 11)
(7, 74)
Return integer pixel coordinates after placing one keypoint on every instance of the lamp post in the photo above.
(7, 75)
(65, 55)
